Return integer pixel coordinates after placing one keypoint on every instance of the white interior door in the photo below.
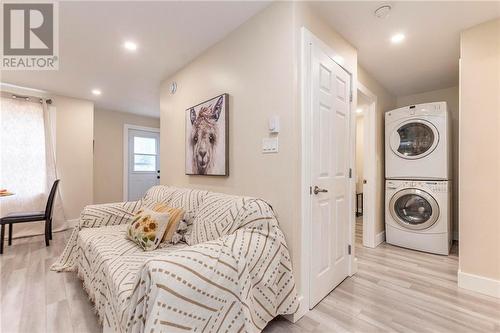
(330, 194)
(143, 162)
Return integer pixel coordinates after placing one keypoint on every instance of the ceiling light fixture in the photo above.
(359, 110)
(129, 45)
(397, 38)
(96, 92)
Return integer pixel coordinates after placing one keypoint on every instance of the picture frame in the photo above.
(207, 137)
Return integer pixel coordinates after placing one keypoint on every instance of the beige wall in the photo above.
(385, 102)
(479, 159)
(74, 157)
(254, 64)
(257, 65)
(449, 95)
(108, 151)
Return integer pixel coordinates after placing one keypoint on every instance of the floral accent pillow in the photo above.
(148, 228)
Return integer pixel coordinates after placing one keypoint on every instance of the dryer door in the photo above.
(414, 209)
(414, 139)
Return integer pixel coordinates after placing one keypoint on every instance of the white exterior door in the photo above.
(330, 192)
(143, 162)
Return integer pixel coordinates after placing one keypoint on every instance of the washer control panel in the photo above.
(431, 186)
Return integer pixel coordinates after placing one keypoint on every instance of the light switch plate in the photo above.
(270, 145)
(274, 124)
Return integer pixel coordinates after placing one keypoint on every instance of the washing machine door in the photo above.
(414, 209)
(414, 139)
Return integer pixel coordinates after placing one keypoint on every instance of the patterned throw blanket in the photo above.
(235, 275)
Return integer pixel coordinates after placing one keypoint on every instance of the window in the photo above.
(25, 167)
(144, 154)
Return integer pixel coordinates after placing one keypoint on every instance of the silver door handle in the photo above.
(317, 190)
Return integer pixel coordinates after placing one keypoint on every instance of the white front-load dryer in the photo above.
(417, 142)
(418, 215)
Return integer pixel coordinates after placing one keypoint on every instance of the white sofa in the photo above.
(234, 275)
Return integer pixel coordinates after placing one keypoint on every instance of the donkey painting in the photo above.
(206, 138)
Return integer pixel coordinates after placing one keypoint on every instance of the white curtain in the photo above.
(27, 162)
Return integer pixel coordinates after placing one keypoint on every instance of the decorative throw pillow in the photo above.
(148, 228)
(175, 219)
(185, 228)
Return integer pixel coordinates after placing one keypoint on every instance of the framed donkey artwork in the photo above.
(207, 137)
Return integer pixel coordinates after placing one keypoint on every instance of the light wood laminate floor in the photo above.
(395, 290)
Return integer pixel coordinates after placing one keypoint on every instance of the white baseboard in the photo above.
(302, 310)
(479, 284)
(379, 238)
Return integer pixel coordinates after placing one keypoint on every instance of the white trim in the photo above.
(369, 170)
(304, 270)
(379, 238)
(305, 235)
(126, 128)
(480, 284)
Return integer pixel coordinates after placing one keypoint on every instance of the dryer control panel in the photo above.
(427, 109)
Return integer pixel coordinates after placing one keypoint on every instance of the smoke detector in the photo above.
(383, 11)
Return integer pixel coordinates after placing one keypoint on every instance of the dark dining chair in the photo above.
(46, 216)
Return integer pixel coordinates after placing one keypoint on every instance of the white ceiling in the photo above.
(169, 34)
(428, 58)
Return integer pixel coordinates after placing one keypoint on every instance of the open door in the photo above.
(330, 190)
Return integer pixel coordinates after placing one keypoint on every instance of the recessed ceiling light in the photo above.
(397, 38)
(129, 45)
(359, 110)
(96, 92)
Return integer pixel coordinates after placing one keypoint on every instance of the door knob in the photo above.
(364, 181)
(317, 190)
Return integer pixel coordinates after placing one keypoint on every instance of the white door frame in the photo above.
(305, 241)
(369, 170)
(126, 128)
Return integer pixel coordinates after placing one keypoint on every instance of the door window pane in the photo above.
(144, 145)
(415, 139)
(413, 209)
(144, 162)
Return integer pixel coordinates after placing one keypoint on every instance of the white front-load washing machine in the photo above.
(417, 142)
(418, 215)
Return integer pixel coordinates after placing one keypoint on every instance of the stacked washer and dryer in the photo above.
(418, 177)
